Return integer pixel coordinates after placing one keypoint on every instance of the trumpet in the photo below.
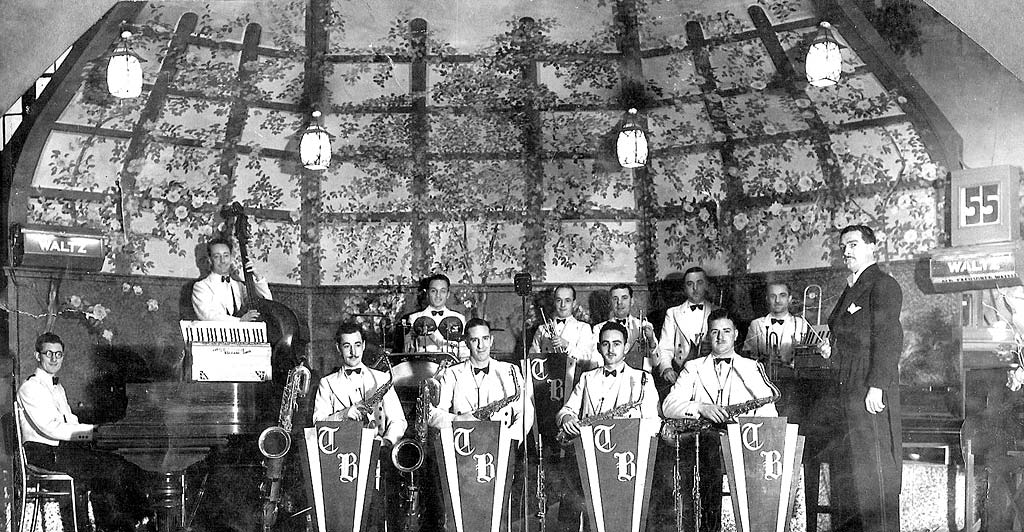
(551, 333)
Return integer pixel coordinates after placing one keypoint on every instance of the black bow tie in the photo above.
(697, 306)
(437, 312)
(620, 321)
(610, 372)
(354, 370)
(777, 321)
(723, 360)
(225, 278)
(485, 370)
(56, 380)
(560, 321)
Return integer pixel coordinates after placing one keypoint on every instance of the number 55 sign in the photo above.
(985, 205)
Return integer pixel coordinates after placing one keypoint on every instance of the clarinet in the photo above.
(542, 497)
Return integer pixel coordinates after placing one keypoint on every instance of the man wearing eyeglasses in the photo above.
(480, 381)
(54, 439)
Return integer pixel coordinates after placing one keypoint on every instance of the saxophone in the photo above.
(485, 412)
(564, 439)
(368, 404)
(672, 428)
(274, 442)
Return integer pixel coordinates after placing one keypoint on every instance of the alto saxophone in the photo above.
(274, 442)
(368, 404)
(564, 439)
(485, 412)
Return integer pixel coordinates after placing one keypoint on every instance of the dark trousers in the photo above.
(875, 466)
(710, 488)
(118, 496)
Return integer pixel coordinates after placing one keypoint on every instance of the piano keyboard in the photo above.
(219, 332)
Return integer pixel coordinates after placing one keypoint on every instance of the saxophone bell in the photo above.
(407, 455)
(274, 442)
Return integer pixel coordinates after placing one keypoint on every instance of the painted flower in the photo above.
(840, 148)
(159, 207)
(795, 226)
(295, 215)
(903, 202)
(929, 171)
(125, 287)
(911, 236)
(864, 105)
(775, 209)
(740, 221)
(152, 305)
(804, 183)
(807, 115)
(704, 215)
(181, 212)
(173, 195)
(137, 290)
(97, 312)
(108, 335)
(770, 129)
(780, 186)
(76, 302)
(803, 103)
(758, 85)
(901, 100)
(197, 201)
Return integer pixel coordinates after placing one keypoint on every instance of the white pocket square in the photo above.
(853, 308)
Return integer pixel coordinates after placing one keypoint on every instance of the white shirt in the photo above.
(464, 390)
(48, 417)
(340, 390)
(684, 328)
(634, 328)
(579, 349)
(767, 337)
(598, 392)
(216, 300)
(435, 342)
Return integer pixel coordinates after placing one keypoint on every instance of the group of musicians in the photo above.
(611, 367)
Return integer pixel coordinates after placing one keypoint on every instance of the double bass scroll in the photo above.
(282, 324)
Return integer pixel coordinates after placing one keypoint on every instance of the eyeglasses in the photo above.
(53, 355)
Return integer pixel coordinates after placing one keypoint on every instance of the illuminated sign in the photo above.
(57, 248)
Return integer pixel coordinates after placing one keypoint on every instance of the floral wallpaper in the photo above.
(509, 162)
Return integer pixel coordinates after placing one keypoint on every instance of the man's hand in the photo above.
(465, 417)
(355, 413)
(873, 401)
(559, 343)
(715, 413)
(669, 375)
(571, 426)
(251, 315)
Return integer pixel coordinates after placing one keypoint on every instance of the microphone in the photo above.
(523, 283)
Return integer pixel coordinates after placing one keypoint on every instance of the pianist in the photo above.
(54, 439)
(219, 296)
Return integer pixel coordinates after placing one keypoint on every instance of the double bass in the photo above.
(282, 324)
(289, 370)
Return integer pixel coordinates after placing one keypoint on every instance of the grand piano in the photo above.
(165, 427)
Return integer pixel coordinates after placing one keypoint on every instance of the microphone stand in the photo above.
(524, 286)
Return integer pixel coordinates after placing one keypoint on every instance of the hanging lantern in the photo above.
(631, 146)
(124, 69)
(315, 145)
(824, 61)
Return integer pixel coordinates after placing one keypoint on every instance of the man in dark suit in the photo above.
(868, 340)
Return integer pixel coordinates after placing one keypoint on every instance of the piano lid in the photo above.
(977, 267)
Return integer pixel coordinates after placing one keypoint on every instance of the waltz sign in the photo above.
(475, 459)
(547, 374)
(762, 456)
(616, 462)
(340, 466)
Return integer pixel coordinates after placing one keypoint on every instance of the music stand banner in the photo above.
(762, 456)
(340, 465)
(547, 374)
(475, 463)
(616, 463)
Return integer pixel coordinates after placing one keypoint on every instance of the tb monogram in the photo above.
(625, 462)
(484, 462)
(772, 460)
